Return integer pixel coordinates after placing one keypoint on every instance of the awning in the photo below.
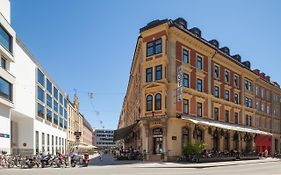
(87, 146)
(122, 133)
(202, 121)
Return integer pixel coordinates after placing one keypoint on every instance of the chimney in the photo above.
(276, 84)
(262, 75)
(257, 71)
(267, 78)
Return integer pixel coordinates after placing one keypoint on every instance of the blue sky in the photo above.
(88, 44)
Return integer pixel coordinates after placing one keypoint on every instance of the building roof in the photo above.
(195, 32)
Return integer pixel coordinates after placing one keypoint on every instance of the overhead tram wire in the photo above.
(90, 95)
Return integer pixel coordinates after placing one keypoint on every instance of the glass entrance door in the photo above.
(158, 145)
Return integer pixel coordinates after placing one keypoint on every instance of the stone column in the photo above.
(146, 139)
(231, 143)
(209, 87)
(165, 129)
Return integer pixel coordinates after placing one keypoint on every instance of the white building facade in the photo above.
(7, 79)
(103, 138)
(33, 109)
(39, 118)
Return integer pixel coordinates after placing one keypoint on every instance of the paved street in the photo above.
(230, 168)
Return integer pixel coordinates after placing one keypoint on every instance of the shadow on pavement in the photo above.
(107, 159)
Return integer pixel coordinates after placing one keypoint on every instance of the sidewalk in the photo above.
(204, 165)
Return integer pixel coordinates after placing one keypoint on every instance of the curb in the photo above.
(212, 166)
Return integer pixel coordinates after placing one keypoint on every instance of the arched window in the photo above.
(216, 140)
(236, 141)
(226, 141)
(198, 134)
(248, 138)
(158, 101)
(149, 103)
(185, 137)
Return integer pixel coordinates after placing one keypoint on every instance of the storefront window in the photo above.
(216, 140)
(157, 140)
(248, 138)
(226, 141)
(37, 141)
(43, 142)
(236, 141)
(198, 134)
(185, 137)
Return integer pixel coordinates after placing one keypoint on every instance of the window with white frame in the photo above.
(267, 109)
(248, 85)
(236, 98)
(257, 105)
(185, 56)
(199, 62)
(185, 106)
(227, 95)
(236, 84)
(216, 91)
(226, 76)
(257, 90)
(262, 93)
(216, 72)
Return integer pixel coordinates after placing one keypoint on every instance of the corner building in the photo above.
(184, 89)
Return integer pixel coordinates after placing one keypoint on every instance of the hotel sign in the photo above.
(157, 132)
(179, 82)
(180, 76)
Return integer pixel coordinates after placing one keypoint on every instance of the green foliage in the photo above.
(192, 149)
(162, 156)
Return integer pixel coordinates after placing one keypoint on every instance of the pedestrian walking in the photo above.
(265, 153)
(100, 155)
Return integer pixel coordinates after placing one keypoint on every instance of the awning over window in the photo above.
(122, 133)
(202, 121)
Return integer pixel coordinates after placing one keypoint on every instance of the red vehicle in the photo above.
(86, 159)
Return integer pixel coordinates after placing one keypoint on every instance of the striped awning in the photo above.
(228, 126)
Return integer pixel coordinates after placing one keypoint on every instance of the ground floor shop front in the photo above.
(30, 136)
(166, 138)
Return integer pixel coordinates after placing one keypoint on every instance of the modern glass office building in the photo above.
(33, 108)
(7, 79)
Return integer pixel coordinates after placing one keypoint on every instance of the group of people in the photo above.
(127, 154)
